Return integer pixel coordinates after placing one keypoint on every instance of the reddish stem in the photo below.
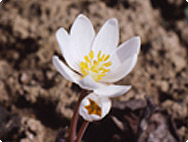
(74, 120)
(82, 131)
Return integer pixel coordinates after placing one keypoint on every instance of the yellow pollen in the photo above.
(87, 59)
(107, 57)
(99, 54)
(107, 64)
(96, 68)
(93, 108)
(91, 54)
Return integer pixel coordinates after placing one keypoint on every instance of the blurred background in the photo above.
(36, 102)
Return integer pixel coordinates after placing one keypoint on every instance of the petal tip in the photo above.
(113, 21)
(129, 87)
(59, 32)
(81, 16)
(54, 59)
(138, 39)
(139, 43)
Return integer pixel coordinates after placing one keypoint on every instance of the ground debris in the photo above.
(134, 121)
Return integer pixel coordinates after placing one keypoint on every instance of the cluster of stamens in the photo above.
(93, 108)
(95, 68)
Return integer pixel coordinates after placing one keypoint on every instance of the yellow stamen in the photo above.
(107, 64)
(107, 57)
(95, 68)
(91, 54)
(99, 54)
(87, 59)
(102, 58)
(83, 71)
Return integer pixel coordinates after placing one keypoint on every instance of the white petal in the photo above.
(112, 90)
(64, 43)
(82, 35)
(64, 70)
(78, 44)
(103, 102)
(107, 39)
(62, 39)
(88, 83)
(121, 71)
(123, 60)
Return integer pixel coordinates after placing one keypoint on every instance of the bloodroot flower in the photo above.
(95, 62)
(94, 107)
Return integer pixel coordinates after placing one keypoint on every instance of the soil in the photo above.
(36, 102)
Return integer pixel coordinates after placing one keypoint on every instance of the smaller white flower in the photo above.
(94, 107)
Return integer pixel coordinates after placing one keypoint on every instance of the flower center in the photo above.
(93, 108)
(95, 68)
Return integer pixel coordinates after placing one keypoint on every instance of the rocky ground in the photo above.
(36, 102)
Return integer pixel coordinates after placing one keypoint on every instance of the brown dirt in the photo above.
(38, 102)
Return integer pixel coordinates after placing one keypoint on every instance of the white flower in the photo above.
(94, 107)
(95, 62)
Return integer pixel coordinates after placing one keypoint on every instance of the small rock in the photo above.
(179, 111)
(24, 78)
(5, 69)
(164, 86)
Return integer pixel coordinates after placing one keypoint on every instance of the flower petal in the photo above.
(112, 90)
(82, 34)
(78, 44)
(123, 60)
(64, 70)
(62, 39)
(103, 104)
(88, 83)
(64, 43)
(107, 39)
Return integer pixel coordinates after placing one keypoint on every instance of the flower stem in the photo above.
(82, 130)
(74, 120)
